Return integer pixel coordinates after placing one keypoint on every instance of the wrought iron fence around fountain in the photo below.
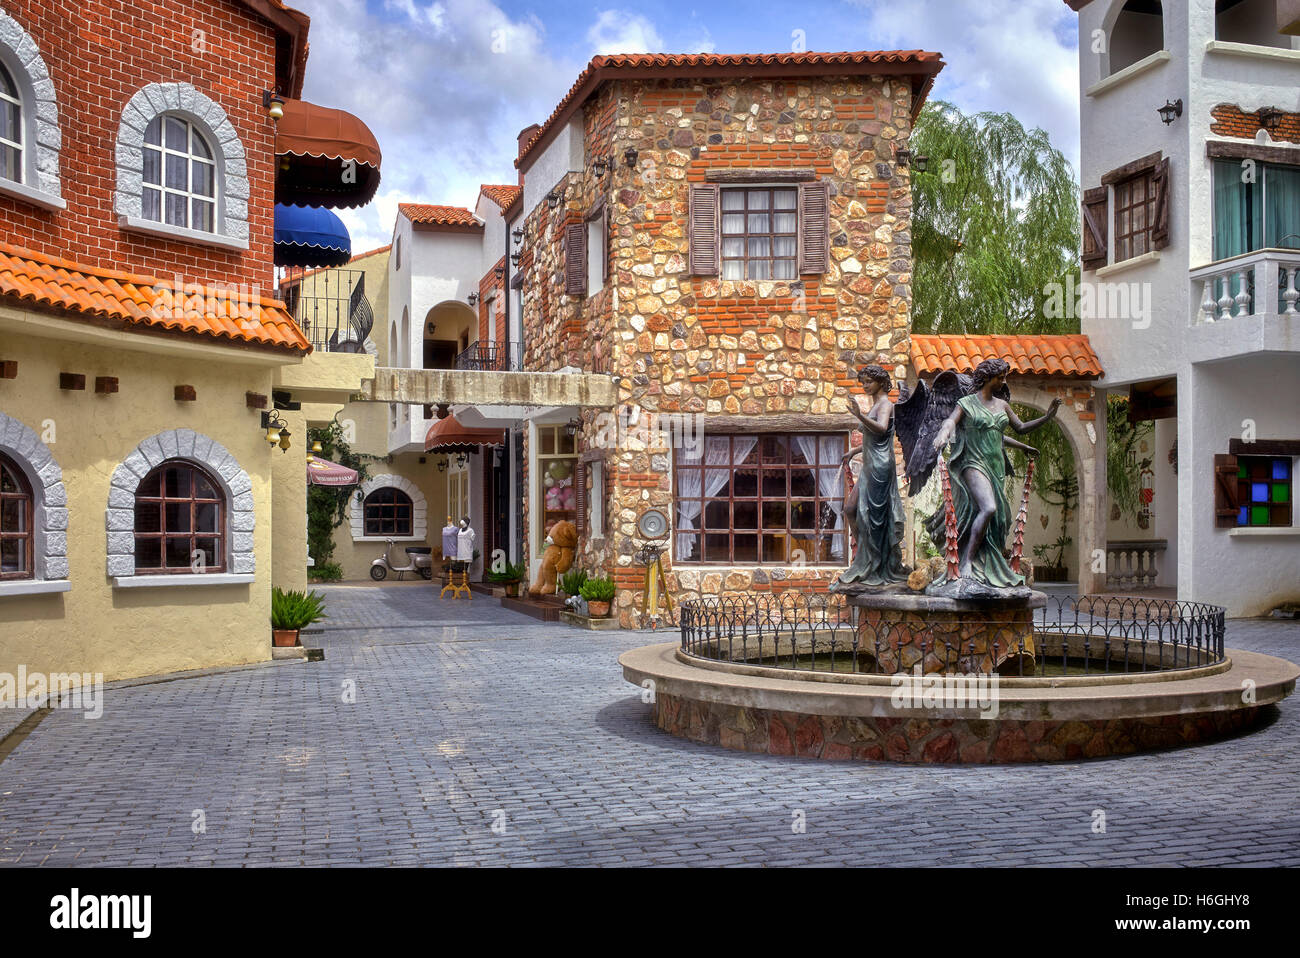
(819, 632)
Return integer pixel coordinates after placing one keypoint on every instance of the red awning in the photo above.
(327, 157)
(322, 472)
(447, 435)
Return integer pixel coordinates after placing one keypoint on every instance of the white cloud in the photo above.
(618, 31)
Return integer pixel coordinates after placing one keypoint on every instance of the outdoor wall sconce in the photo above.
(629, 157)
(600, 167)
(921, 163)
(273, 103)
(442, 464)
(277, 430)
(461, 460)
(316, 448)
(1170, 111)
(571, 427)
(499, 271)
(1270, 117)
(518, 234)
(553, 199)
(903, 156)
(514, 259)
(472, 298)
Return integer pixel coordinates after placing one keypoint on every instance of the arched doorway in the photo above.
(449, 328)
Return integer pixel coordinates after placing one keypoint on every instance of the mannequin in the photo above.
(465, 542)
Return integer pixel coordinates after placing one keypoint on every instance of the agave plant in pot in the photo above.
(508, 576)
(571, 582)
(599, 593)
(292, 612)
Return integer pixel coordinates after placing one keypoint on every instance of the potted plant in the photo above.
(571, 582)
(509, 577)
(599, 593)
(291, 612)
(1053, 569)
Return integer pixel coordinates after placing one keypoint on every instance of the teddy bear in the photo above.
(561, 542)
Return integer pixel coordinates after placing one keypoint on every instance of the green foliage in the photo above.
(598, 590)
(1123, 467)
(296, 610)
(571, 582)
(327, 506)
(996, 220)
(511, 573)
(1057, 560)
(326, 572)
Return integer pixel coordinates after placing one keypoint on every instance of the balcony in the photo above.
(331, 308)
(1245, 304)
(491, 357)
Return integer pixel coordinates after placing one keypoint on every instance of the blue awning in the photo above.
(310, 236)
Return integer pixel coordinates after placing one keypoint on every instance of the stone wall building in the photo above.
(729, 238)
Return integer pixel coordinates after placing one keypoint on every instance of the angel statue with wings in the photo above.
(970, 413)
(873, 508)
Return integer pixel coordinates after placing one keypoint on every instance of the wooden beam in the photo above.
(1264, 447)
(185, 394)
(105, 385)
(72, 381)
(255, 400)
(8, 369)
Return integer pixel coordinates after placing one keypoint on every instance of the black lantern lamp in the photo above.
(442, 464)
(921, 163)
(630, 156)
(499, 271)
(514, 259)
(518, 234)
(1170, 111)
(571, 427)
(1270, 118)
(472, 298)
(553, 199)
(903, 156)
(600, 167)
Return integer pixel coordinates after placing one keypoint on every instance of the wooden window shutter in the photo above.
(605, 243)
(705, 227)
(814, 227)
(1160, 226)
(580, 499)
(1095, 219)
(1226, 506)
(575, 259)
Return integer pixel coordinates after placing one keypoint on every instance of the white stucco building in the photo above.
(1190, 131)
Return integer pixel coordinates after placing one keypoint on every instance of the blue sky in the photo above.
(447, 85)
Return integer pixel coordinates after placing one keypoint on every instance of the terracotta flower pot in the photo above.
(597, 610)
(284, 638)
(512, 589)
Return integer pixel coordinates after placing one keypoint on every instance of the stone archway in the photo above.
(1082, 417)
(33, 457)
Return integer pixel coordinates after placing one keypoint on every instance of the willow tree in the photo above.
(995, 223)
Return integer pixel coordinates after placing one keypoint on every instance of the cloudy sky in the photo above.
(447, 84)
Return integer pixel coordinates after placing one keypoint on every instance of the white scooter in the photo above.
(419, 559)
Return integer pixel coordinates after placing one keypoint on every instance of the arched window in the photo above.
(16, 510)
(1138, 31)
(179, 521)
(180, 175)
(388, 512)
(11, 128)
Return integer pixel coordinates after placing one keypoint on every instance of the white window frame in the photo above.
(19, 144)
(161, 148)
(596, 253)
(41, 140)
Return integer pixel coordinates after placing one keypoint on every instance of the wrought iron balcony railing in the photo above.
(331, 307)
(495, 357)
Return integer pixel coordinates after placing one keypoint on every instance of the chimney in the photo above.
(526, 134)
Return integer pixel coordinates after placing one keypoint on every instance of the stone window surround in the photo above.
(240, 517)
(42, 139)
(152, 101)
(419, 509)
(49, 507)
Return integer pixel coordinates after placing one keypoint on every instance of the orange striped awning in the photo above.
(217, 312)
(1069, 355)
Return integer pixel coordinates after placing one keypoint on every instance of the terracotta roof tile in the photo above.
(1050, 355)
(144, 301)
(502, 196)
(429, 215)
(921, 62)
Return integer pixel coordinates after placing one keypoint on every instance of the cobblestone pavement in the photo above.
(466, 714)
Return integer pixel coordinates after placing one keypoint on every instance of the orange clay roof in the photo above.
(920, 63)
(1056, 355)
(143, 302)
(429, 215)
(502, 196)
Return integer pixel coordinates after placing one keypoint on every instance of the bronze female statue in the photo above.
(874, 507)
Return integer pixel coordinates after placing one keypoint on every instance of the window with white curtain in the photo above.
(180, 175)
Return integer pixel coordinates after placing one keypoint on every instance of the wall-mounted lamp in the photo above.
(600, 167)
(571, 427)
(921, 162)
(514, 259)
(629, 157)
(903, 156)
(553, 199)
(1270, 117)
(472, 298)
(518, 234)
(461, 459)
(442, 464)
(273, 103)
(499, 271)
(277, 430)
(1170, 111)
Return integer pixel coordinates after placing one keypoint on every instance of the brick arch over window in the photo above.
(197, 448)
(211, 120)
(49, 497)
(420, 509)
(40, 108)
